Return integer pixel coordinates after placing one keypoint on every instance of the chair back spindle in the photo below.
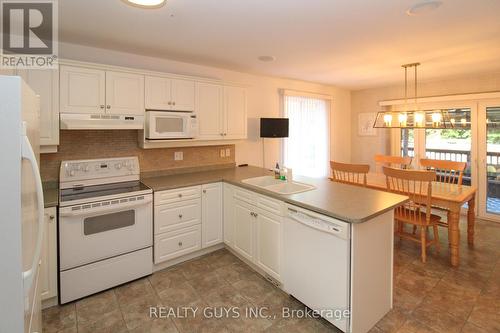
(349, 173)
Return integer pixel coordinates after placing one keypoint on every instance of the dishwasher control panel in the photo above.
(319, 222)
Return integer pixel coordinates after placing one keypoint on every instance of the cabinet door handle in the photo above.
(108, 107)
(180, 216)
(180, 244)
(173, 103)
(102, 106)
(180, 195)
(204, 191)
(169, 103)
(51, 218)
(255, 214)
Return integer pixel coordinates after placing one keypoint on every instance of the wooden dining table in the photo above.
(450, 197)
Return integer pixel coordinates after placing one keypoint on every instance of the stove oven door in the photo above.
(100, 230)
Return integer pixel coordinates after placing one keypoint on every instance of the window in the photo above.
(307, 148)
(407, 142)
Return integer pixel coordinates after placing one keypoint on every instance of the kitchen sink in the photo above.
(262, 181)
(278, 186)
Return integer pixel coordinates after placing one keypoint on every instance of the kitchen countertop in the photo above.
(50, 194)
(349, 203)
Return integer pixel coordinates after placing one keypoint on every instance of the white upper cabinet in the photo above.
(222, 111)
(169, 94)
(211, 220)
(182, 95)
(235, 112)
(87, 90)
(209, 109)
(45, 83)
(83, 90)
(124, 93)
(158, 93)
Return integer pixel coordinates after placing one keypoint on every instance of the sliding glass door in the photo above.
(489, 159)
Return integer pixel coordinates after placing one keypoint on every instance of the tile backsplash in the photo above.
(88, 144)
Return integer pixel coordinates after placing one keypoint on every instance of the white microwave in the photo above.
(164, 125)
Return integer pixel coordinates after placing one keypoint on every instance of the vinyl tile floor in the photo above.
(430, 297)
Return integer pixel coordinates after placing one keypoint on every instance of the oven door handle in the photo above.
(69, 212)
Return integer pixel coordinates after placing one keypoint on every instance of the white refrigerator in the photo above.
(21, 208)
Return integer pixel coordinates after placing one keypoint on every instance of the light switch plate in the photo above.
(178, 156)
(228, 152)
(222, 153)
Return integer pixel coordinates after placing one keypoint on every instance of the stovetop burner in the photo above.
(97, 191)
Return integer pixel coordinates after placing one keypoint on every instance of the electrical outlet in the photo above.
(222, 153)
(228, 152)
(178, 156)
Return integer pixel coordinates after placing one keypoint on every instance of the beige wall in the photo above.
(263, 98)
(365, 147)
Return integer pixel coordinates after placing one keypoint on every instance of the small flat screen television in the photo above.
(274, 127)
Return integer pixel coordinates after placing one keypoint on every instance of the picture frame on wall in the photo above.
(365, 124)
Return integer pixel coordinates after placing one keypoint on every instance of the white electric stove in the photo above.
(105, 226)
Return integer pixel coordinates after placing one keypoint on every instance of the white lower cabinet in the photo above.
(48, 267)
(244, 222)
(177, 243)
(228, 215)
(187, 220)
(253, 228)
(211, 217)
(269, 242)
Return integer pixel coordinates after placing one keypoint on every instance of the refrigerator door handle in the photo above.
(28, 154)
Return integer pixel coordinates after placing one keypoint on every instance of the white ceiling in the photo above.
(350, 43)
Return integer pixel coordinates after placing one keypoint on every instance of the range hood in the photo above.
(79, 121)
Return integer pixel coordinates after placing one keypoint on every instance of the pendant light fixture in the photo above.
(411, 116)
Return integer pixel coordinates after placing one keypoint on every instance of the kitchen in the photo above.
(160, 193)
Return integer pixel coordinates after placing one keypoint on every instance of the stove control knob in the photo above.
(118, 166)
(72, 173)
(86, 169)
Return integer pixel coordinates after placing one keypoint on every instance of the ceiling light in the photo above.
(267, 58)
(145, 3)
(423, 8)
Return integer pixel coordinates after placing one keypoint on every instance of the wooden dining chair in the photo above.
(402, 162)
(448, 172)
(417, 185)
(349, 173)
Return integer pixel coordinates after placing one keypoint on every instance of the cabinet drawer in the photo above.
(177, 215)
(245, 196)
(177, 243)
(271, 205)
(180, 194)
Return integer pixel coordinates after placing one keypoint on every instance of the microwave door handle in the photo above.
(29, 155)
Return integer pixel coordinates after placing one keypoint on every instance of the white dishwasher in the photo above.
(317, 263)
